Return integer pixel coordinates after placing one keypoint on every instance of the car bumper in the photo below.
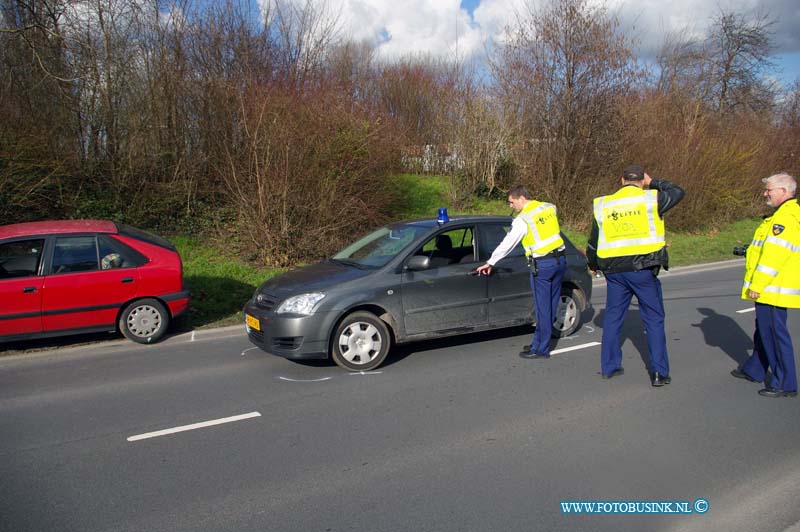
(177, 302)
(289, 335)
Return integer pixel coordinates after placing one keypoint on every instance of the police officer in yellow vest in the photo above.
(772, 280)
(537, 227)
(627, 244)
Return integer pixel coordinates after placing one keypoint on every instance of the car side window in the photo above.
(115, 254)
(75, 254)
(491, 236)
(20, 258)
(449, 247)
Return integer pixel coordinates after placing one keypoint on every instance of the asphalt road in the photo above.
(456, 435)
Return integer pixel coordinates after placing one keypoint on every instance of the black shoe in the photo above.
(616, 373)
(530, 355)
(774, 392)
(657, 379)
(739, 374)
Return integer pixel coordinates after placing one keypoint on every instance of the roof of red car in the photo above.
(57, 227)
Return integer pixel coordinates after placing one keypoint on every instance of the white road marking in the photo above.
(193, 426)
(745, 310)
(192, 340)
(304, 380)
(574, 348)
(246, 350)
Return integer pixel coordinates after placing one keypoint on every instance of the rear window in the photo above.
(75, 254)
(116, 254)
(144, 236)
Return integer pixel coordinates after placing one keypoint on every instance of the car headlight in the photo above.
(302, 304)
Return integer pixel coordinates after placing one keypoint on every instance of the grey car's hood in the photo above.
(314, 278)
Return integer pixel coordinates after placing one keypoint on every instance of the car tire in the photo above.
(568, 316)
(144, 321)
(360, 342)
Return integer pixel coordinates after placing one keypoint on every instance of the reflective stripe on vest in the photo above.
(782, 290)
(772, 272)
(544, 234)
(628, 223)
(783, 243)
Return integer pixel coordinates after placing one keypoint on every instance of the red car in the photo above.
(77, 276)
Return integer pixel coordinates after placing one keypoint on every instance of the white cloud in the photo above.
(436, 27)
(442, 27)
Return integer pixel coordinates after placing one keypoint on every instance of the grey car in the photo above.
(407, 281)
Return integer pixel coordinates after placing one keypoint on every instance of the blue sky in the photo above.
(467, 28)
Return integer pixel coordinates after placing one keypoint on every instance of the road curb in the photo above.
(204, 334)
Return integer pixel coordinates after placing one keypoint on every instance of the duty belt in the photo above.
(556, 253)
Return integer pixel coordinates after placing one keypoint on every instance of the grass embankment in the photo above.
(220, 284)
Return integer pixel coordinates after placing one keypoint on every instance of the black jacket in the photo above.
(669, 195)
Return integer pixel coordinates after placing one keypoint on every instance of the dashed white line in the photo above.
(745, 310)
(193, 426)
(574, 348)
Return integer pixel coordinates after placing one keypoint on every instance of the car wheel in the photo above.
(568, 316)
(360, 342)
(144, 321)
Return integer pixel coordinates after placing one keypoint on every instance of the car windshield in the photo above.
(379, 247)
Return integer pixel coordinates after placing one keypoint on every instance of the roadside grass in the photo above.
(220, 284)
(417, 196)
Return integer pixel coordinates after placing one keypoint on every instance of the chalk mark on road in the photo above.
(744, 310)
(304, 380)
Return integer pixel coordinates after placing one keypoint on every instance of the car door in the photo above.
(509, 290)
(21, 287)
(445, 297)
(78, 292)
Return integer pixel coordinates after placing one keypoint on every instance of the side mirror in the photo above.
(418, 263)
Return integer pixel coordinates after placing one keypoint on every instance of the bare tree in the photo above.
(728, 70)
(561, 76)
(739, 51)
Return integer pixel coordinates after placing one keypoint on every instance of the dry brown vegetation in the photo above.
(271, 130)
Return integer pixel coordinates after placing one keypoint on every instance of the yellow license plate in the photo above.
(252, 322)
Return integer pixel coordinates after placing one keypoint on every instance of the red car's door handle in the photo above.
(29, 290)
(127, 279)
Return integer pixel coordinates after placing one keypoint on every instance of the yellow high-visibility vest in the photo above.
(628, 223)
(544, 234)
(772, 263)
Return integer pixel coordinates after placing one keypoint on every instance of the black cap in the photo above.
(633, 173)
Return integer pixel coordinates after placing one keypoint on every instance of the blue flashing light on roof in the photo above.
(443, 218)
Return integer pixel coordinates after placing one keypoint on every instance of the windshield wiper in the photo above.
(346, 262)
